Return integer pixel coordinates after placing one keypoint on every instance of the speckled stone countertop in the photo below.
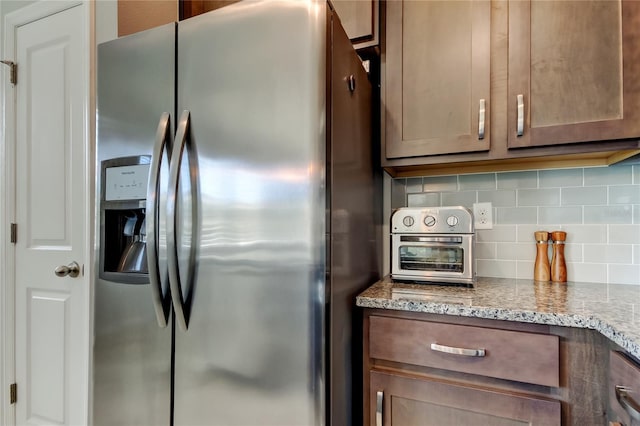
(611, 309)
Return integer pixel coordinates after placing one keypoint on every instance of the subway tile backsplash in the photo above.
(598, 207)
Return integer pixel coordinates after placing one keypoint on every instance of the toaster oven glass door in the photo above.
(431, 258)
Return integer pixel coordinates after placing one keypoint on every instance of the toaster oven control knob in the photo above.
(430, 221)
(407, 221)
(452, 220)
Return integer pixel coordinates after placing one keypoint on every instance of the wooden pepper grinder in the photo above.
(541, 271)
(558, 264)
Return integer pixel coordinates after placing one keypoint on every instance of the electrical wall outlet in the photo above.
(483, 215)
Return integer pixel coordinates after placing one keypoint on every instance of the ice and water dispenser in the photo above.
(123, 250)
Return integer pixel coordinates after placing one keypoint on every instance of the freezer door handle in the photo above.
(182, 281)
(161, 297)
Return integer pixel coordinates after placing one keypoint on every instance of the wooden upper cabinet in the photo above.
(437, 76)
(190, 8)
(140, 15)
(576, 65)
(359, 19)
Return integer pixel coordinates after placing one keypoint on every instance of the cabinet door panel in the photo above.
(412, 401)
(622, 372)
(406, 411)
(360, 20)
(566, 59)
(437, 71)
(575, 79)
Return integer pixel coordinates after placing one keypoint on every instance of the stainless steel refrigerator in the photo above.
(235, 220)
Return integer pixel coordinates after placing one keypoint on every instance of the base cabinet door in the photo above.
(397, 400)
(624, 391)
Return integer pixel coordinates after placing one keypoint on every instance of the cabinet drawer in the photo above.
(623, 372)
(512, 355)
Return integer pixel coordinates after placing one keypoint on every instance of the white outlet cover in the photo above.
(483, 215)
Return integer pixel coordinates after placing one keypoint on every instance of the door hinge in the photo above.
(14, 233)
(13, 74)
(13, 393)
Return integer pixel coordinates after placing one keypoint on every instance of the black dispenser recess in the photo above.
(122, 219)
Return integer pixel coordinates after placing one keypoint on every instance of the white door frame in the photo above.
(12, 21)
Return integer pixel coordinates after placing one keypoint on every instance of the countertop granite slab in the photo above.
(611, 309)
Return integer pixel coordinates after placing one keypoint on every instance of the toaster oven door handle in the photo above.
(425, 239)
(458, 351)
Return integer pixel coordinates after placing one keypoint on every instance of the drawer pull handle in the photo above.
(628, 403)
(379, 398)
(457, 351)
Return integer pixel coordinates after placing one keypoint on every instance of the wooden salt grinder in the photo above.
(541, 271)
(558, 264)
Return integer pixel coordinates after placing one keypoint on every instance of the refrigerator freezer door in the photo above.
(132, 354)
(253, 77)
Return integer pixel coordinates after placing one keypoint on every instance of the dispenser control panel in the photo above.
(126, 182)
(123, 233)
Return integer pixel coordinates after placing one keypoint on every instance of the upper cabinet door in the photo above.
(135, 16)
(574, 71)
(360, 20)
(436, 84)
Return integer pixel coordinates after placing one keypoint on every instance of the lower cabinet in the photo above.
(405, 400)
(433, 370)
(424, 369)
(624, 391)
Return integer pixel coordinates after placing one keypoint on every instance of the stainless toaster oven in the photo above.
(434, 244)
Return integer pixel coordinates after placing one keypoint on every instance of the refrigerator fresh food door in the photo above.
(252, 75)
(132, 353)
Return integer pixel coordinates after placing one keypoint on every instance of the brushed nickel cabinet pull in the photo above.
(379, 399)
(458, 351)
(481, 119)
(520, 130)
(630, 405)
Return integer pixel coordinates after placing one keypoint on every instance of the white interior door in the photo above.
(51, 212)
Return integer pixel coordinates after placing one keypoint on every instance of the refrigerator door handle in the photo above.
(182, 299)
(161, 299)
